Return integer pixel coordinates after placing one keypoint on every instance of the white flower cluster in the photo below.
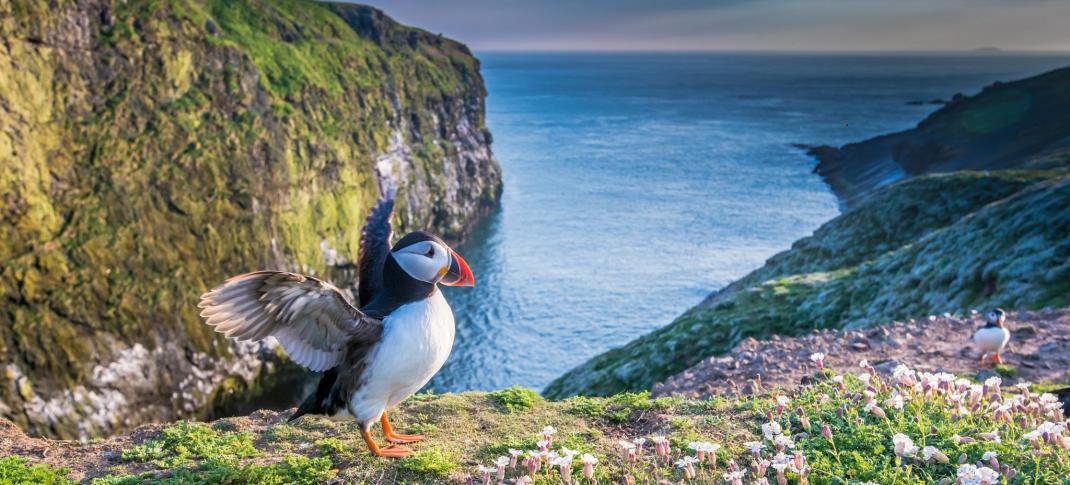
(977, 475)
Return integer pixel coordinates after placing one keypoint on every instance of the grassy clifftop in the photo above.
(907, 428)
(934, 244)
(151, 148)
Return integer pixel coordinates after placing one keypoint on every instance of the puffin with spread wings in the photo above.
(373, 356)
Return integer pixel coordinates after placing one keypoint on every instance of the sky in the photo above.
(822, 25)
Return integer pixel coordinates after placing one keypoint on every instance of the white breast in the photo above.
(991, 339)
(417, 338)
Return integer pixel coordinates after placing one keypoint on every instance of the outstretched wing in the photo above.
(374, 248)
(310, 318)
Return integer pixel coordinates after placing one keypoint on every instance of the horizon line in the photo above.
(976, 51)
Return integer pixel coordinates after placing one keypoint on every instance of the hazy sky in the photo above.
(742, 24)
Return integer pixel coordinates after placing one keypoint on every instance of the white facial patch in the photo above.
(426, 261)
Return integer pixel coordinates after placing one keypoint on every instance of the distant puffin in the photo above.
(993, 337)
(375, 356)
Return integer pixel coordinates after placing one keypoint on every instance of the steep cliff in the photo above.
(924, 246)
(1019, 124)
(150, 149)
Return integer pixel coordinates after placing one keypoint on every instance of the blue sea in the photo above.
(636, 184)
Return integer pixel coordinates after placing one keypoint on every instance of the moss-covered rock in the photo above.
(934, 244)
(150, 149)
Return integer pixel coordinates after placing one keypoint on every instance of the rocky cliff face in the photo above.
(1020, 124)
(150, 149)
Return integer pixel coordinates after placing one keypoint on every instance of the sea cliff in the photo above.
(969, 210)
(1019, 124)
(935, 244)
(150, 149)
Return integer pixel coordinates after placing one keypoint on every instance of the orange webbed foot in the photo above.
(405, 438)
(394, 451)
(388, 452)
(392, 437)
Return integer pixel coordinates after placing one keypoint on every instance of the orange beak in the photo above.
(459, 273)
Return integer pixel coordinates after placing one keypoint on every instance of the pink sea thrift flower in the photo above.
(501, 463)
(589, 461)
(903, 445)
(734, 477)
(687, 464)
(819, 359)
(781, 403)
(564, 465)
(513, 456)
(703, 449)
(872, 407)
(639, 442)
(486, 471)
(628, 451)
(661, 448)
(548, 433)
(992, 458)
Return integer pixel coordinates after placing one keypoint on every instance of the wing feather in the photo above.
(374, 248)
(312, 319)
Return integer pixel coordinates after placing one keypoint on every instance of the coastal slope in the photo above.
(151, 149)
(1019, 124)
(927, 245)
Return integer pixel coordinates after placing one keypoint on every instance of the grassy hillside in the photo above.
(934, 244)
(912, 428)
(151, 148)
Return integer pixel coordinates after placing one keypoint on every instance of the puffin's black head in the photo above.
(997, 316)
(426, 260)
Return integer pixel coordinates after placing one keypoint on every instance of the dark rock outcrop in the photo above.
(150, 149)
(1020, 124)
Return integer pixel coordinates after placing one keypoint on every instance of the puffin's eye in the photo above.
(430, 252)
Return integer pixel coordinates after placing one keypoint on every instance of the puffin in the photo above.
(993, 337)
(373, 354)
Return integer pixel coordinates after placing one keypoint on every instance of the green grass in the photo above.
(182, 442)
(429, 463)
(1005, 370)
(298, 470)
(16, 470)
(515, 398)
(619, 408)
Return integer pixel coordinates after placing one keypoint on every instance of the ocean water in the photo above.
(636, 184)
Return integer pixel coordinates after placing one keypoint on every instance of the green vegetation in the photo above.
(289, 470)
(185, 141)
(429, 463)
(16, 470)
(904, 429)
(621, 407)
(929, 245)
(180, 443)
(515, 398)
(1005, 370)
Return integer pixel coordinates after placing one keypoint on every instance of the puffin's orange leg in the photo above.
(984, 359)
(996, 359)
(397, 438)
(389, 451)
